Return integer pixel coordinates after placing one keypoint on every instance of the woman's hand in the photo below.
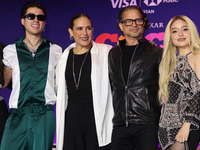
(183, 133)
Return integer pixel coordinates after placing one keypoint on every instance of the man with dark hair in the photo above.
(133, 69)
(30, 62)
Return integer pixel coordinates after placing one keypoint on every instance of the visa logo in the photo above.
(122, 3)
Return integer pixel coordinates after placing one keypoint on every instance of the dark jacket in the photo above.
(135, 102)
(1, 64)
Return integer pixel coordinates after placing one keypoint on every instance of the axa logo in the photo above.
(152, 2)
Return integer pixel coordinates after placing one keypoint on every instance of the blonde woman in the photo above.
(180, 86)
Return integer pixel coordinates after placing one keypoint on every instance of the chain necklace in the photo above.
(79, 76)
(32, 44)
(33, 50)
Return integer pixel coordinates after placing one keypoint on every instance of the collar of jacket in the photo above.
(139, 41)
(94, 48)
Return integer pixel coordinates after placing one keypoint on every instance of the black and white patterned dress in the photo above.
(183, 105)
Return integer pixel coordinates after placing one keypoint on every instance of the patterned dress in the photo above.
(183, 105)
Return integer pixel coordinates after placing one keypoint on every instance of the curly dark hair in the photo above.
(144, 16)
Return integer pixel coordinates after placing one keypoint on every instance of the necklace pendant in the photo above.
(33, 54)
(77, 84)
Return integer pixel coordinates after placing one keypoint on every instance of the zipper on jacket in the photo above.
(126, 90)
(126, 84)
(126, 105)
(33, 76)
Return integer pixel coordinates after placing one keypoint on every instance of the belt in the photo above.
(31, 109)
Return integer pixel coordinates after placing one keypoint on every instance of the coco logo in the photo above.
(152, 2)
(115, 37)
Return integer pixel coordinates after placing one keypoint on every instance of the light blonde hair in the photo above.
(168, 62)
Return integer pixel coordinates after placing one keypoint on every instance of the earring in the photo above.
(71, 37)
(44, 29)
(93, 37)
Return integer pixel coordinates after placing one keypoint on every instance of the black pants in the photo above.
(3, 117)
(141, 137)
(80, 130)
(193, 139)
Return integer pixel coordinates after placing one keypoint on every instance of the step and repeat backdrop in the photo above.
(103, 14)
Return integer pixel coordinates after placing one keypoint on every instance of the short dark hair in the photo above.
(144, 16)
(79, 15)
(33, 4)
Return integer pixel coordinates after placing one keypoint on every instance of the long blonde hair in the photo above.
(168, 62)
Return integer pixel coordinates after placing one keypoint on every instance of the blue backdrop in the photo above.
(103, 14)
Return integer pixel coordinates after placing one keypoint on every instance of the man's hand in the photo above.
(152, 42)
